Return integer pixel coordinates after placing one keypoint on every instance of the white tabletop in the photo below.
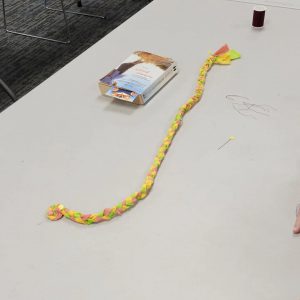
(217, 224)
(292, 4)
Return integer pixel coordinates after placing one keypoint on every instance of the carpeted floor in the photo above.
(26, 62)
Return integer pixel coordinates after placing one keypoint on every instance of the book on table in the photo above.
(139, 77)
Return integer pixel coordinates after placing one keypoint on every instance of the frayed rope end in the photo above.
(224, 55)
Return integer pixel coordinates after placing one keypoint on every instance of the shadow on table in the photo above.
(122, 107)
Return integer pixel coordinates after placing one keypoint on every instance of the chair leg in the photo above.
(75, 12)
(67, 41)
(8, 90)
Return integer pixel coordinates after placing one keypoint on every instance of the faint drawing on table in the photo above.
(247, 109)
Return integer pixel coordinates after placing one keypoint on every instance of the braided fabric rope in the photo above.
(57, 211)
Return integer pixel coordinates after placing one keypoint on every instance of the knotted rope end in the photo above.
(55, 212)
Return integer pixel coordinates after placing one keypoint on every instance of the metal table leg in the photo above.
(79, 4)
(8, 90)
(67, 41)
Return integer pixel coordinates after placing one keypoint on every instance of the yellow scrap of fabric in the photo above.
(226, 58)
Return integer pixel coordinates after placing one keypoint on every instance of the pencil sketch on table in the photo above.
(244, 107)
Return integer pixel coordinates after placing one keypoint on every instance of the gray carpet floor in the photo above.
(26, 62)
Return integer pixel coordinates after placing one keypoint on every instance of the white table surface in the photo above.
(217, 224)
(292, 4)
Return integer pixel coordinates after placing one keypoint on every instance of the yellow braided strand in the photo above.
(57, 211)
